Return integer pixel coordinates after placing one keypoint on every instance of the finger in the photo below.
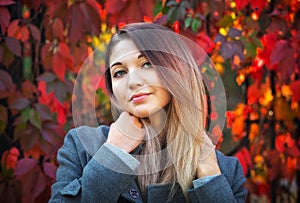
(136, 121)
(129, 126)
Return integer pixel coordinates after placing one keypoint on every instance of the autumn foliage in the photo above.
(43, 45)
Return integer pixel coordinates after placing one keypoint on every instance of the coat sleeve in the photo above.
(227, 187)
(82, 178)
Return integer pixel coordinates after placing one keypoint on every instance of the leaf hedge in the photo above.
(43, 45)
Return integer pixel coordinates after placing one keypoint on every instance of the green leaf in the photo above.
(256, 41)
(185, 4)
(171, 3)
(25, 113)
(2, 126)
(196, 24)
(3, 114)
(188, 22)
(35, 118)
(264, 21)
(181, 12)
(249, 46)
(27, 64)
(172, 14)
(226, 21)
(157, 8)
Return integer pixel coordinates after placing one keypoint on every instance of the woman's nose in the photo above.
(135, 79)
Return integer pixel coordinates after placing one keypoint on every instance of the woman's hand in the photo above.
(126, 133)
(208, 164)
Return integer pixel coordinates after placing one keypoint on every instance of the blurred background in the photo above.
(254, 44)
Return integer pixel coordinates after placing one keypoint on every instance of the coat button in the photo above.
(133, 193)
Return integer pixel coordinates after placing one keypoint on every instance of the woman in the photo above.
(157, 150)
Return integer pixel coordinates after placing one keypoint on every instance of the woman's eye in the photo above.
(146, 64)
(119, 73)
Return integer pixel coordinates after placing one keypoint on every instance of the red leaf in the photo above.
(25, 165)
(288, 63)
(81, 14)
(39, 184)
(35, 32)
(50, 170)
(91, 15)
(64, 51)
(269, 40)
(80, 54)
(240, 4)
(59, 66)
(205, 42)
(258, 5)
(13, 45)
(274, 163)
(128, 11)
(47, 56)
(28, 89)
(278, 52)
(146, 8)
(295, 87)
(4, 19)
(76, 27)
(115, 6)
(58, 29)
(244, 157)
(6, 2)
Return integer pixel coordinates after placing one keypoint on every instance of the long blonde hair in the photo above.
(185, 114)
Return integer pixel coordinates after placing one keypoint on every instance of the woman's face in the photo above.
(135, 83)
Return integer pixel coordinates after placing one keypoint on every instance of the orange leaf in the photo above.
(24, 34)
(256, 91)
(13, 29)
(10, 158)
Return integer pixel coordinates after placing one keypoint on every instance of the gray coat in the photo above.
(82, 177)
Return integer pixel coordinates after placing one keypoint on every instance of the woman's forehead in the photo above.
(122, 49)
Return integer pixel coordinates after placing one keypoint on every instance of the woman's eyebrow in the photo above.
(115, 64)
(119, 63)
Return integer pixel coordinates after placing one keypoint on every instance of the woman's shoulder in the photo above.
(88, 138)
(230, 167)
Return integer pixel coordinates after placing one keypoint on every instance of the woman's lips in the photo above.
(139, 97)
